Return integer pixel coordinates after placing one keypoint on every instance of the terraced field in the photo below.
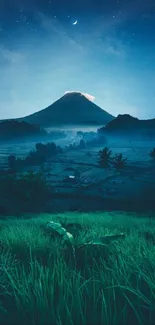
(137, 152)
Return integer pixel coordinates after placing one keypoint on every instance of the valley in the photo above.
(77, 177)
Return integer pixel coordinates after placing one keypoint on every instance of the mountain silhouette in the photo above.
(74, 109)
(125, 123)
(11, 129)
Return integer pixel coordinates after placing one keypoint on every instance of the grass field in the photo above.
(40, 283)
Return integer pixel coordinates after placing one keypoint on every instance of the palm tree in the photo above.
(105, 157)
(152, 154)
(119, 161)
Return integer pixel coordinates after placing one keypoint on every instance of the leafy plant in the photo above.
(43, 282)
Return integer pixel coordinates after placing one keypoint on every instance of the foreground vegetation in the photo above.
(41, 282)
(23, 193)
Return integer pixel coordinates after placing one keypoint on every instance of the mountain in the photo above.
(130, 125)
(11, 129)
(74, 109)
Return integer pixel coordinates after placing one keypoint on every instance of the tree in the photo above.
(119, 161)
(89, 154)
(12, 162)
(105, 157)
(42, 153)
(79, 134)
(82, 144)
(152, 154)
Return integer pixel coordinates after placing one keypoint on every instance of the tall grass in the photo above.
(118, 288)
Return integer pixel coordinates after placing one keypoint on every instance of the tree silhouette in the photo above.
(119, 161)
(105, 157)
(12, 162)
(82, 144)
(152, 154)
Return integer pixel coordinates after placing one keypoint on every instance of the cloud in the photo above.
(11, 56)
(88, 96)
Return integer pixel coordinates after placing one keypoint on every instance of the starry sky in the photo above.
(109, 53)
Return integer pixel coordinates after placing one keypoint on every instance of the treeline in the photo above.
(107, 159)
(92, 138)
(40, 155)
(16, 129)
(11, 129)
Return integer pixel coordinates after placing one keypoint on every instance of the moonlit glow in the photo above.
(103, 48)
(75, 22)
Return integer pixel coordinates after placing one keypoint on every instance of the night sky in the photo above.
(109, 53)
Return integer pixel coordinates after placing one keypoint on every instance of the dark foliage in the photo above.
(80, 134)
(89, 154)
(82, 144)
(24, 193)
(42, 153)
(12, 162)
(152, 153)
(105, 157)
(119, 161)
(74, 146)
(101, 130)
(57, 134)
(11, 129)
(92, 138)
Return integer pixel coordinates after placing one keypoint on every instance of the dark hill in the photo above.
(128, 124)
(12, 129)
(74, 109)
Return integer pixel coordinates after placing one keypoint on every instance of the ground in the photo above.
(41, 283)
(91, 181)
(46, 281)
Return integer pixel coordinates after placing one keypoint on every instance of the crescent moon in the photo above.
(75, 22)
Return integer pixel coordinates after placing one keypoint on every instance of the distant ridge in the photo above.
(71, 109)
(12, 129)
(128, 124)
